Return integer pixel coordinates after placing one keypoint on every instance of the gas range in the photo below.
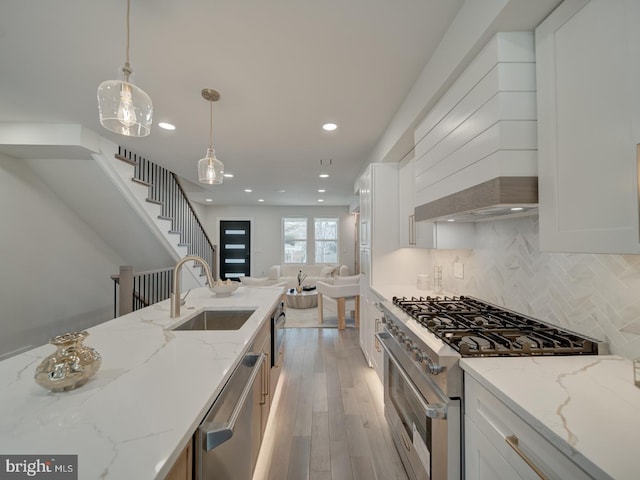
(423, 342)
(436, 332)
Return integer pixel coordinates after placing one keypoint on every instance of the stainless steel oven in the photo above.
(424, 339)
(425, 424)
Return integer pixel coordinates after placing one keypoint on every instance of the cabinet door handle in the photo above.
(412, 229)
(512, 441)
(265, 376)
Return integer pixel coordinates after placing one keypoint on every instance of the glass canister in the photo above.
(71, 366)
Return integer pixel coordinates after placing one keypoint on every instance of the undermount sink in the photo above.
(217, 320)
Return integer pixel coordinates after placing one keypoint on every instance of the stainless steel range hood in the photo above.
(490, 200)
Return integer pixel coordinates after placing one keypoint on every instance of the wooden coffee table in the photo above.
(304, 299)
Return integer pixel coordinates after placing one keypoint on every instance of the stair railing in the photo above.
(165, 190)
(133, 291)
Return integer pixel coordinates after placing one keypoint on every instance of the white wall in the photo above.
(597, 295)
(266, 236)
(54, 271)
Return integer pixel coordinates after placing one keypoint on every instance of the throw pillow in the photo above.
(327, 271)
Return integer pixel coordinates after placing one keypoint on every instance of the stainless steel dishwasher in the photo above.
(228, 439)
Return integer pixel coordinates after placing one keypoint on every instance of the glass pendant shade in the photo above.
(210, 169)
(124, 108)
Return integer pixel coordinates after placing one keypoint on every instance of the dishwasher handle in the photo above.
(216, 437)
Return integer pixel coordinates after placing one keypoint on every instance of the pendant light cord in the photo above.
(127, 68)
(210, 124)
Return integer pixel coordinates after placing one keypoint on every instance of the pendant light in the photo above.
(123, 107)
(210, 169)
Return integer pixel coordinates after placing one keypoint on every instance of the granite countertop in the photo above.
(587, 406)
(134, 417)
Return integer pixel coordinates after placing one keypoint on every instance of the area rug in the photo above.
(308, 318)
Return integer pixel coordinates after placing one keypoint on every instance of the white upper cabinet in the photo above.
(378, 187)
(426, 234)
(588, 80)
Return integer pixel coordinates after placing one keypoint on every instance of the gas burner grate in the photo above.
(475, 328)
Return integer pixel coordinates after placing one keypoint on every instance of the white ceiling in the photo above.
(283, 68)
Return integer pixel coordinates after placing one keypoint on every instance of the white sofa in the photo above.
(288, 274)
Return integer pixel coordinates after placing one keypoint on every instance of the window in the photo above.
(295, 240)
(319, 244)
(326, 240)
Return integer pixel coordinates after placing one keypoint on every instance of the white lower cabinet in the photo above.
(377, 357)
(499, 444)
(370, 324)
(482, 460)
(366, 326)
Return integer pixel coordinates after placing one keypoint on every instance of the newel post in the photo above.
(125, 304)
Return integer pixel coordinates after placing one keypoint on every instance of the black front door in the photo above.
(235, 248)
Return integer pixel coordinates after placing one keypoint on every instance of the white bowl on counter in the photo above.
(224, 290)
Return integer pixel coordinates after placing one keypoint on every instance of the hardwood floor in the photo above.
(328, 421)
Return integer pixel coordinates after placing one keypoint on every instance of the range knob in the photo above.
(410, 344)
(415, 352)
(420, 356)
(433, 368)
(402, 337)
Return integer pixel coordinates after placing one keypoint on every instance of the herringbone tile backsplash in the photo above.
(597, 295)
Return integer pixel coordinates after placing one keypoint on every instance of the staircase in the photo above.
(164, 190)
(156, 194)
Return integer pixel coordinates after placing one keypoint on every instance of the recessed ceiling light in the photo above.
(321, 190)
(261, 199)
(451, 220)
(208, 199)
(517, 209)
(282, 191)
(166, 126)
(248, 190)
(321, 200)
(324, 175)
(228, 175)
(329, 127)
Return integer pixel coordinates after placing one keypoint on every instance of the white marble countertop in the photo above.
(133, 418)
(587, 406)
(409, 290)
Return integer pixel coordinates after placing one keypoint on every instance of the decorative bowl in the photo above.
(225, 289)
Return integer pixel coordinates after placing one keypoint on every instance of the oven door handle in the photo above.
(435, 410)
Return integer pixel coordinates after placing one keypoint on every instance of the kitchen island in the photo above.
(136, 415)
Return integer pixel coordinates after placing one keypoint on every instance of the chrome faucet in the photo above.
(175, 293)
